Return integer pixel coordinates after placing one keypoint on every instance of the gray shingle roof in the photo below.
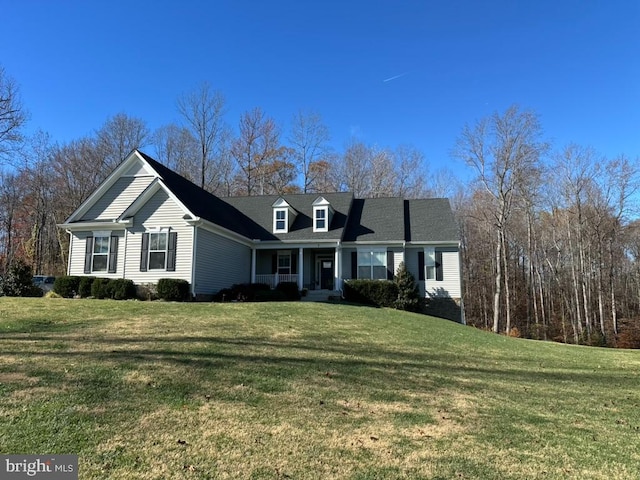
(376, 220)
(260, 210)
(430, 220)
(362, 220)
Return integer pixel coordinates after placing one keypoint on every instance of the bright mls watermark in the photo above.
(41, 467)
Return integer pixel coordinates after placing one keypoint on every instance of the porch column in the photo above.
(253, 265)
(337, 280)
(300, 269)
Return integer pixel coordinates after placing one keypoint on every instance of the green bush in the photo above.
(122, 289)
(242, 292)
(289, 289)
(67, 286)
(224, 295)
(84, 287)
(270, 296)
(18, 282)
(173, 289)
(381, 293)
(100, 288)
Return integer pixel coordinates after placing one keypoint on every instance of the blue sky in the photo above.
(576, 63)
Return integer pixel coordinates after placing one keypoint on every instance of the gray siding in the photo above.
(118, 198)
(220, 262)
(450, 284)
(159, 211)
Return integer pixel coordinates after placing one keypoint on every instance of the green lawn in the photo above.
(152, 390)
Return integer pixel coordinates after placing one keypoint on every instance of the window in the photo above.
(320, 219)
(372, 264)
(430, 263)
(158, 251)
(280, 220)
(100, 254)
(284, 263)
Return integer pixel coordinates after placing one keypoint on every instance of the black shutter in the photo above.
(87, 255)
(420, 265)
(171, 251)
(294, 262)
(274, 263)
(439, 275)
(354, 265)
(144, 256)
(390, 266)
(113, 254)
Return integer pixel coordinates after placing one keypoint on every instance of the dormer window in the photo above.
(283, 216)
(320, 220)
(280, 220)
(322, 214)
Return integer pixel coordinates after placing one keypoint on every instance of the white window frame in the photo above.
(160, 231)
(325, 219)
(371, 253)
(284, 220)
(102, 235)
(429, 263)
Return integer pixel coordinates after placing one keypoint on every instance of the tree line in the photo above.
(549, 236)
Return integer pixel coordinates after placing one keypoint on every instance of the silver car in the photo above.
(45, 282)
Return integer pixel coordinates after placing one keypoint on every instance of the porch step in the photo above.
(321, 296)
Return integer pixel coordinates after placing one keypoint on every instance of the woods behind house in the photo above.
(550, 234)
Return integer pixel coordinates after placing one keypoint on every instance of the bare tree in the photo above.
(178, 149)
(118, 137)
(255, 151)
(12, 115)
(354, 168)
(203, 110)
(411, 172)
(309, 143)
(503, 150)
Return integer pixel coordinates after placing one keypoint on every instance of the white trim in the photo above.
(101, 234)
(146, 195)
(89, 226)
(277, 210)
(194, 249)
(107, 183)
(324, 209)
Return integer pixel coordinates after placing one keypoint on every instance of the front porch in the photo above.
(310, 268)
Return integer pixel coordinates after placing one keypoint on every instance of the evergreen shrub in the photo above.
(67, 286)
(173, 289)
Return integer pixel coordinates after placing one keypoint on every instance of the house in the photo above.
(146, 222)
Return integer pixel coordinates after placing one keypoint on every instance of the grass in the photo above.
(156, 390)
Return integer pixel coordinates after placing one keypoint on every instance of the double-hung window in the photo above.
(159, 250)
(372, 264)
(280, 220)
(158, 243)
(100, 258)
(321, 219)
(101, 254)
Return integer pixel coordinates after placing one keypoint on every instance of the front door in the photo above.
(326, 274)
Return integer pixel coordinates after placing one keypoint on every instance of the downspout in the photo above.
(194, 249)
(124, 263)
(70, 250)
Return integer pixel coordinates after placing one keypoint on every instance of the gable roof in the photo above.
(354, 220)
(204, 204)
